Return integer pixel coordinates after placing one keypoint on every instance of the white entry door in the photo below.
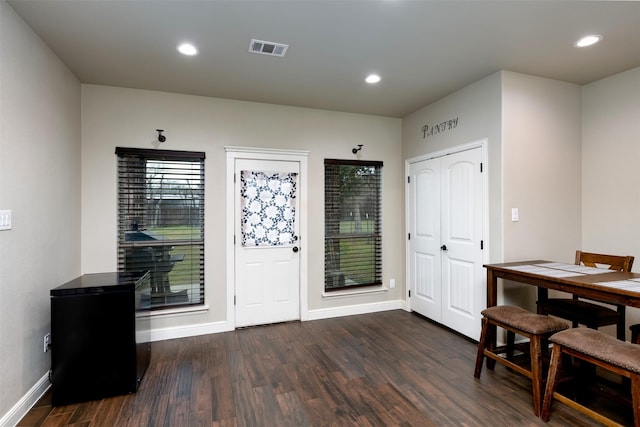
(446, 226)
(267, 261)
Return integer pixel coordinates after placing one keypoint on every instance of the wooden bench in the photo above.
(601, 350)
(538, 328)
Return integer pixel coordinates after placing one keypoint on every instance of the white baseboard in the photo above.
(189, 331)
(350, 310)
(23, 406)
(326, 313)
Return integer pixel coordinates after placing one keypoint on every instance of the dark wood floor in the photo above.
(384, 369)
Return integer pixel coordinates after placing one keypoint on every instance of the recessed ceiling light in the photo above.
(588, 40)
(372, 79)
(187, 49)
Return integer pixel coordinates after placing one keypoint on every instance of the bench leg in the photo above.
(554, 368)
(635, 396)
(536, 372)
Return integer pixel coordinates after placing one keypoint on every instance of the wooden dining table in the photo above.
(600, 284)
(610, 286)
(615, 287)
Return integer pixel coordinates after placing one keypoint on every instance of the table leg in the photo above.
(492, 289)
(492, 300)
(543, 295)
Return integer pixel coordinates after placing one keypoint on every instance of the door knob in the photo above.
(295, 249)
(443, 247)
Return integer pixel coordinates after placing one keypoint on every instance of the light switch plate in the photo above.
(515, 215)
(5, 220)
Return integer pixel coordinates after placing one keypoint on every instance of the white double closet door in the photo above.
(446, 217)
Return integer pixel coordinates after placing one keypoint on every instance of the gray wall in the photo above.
(610, 168)
(125, 117)
(478, 109)
(532, 127)
(40, 184)
(541, 128)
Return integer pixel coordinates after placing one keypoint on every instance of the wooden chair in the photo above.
(598, 349)
(536, 327)
(579, 311)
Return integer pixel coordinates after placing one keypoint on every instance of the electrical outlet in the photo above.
(47, 342)
(392, 283)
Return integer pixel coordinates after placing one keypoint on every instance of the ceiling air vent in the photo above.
(268, 48)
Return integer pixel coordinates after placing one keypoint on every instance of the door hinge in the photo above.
(234, 300)
(480, 167)
(408, 180)
(234, 177)
(409, 293)
(481, 244)
(409, 236)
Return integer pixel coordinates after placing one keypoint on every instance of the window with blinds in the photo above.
(352, 230)
(161, 222)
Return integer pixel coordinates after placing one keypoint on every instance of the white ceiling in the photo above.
(423, 50)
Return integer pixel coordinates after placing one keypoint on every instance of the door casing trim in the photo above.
(252, 153)
(482, 144)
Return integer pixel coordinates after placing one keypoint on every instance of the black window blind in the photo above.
(353, 207)
(161, 222)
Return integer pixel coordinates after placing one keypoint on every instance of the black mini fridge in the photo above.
(100, 336)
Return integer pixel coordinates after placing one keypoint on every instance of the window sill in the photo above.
(179, 311)
(354, 292)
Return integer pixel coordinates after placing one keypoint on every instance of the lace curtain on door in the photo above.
(268, 208)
